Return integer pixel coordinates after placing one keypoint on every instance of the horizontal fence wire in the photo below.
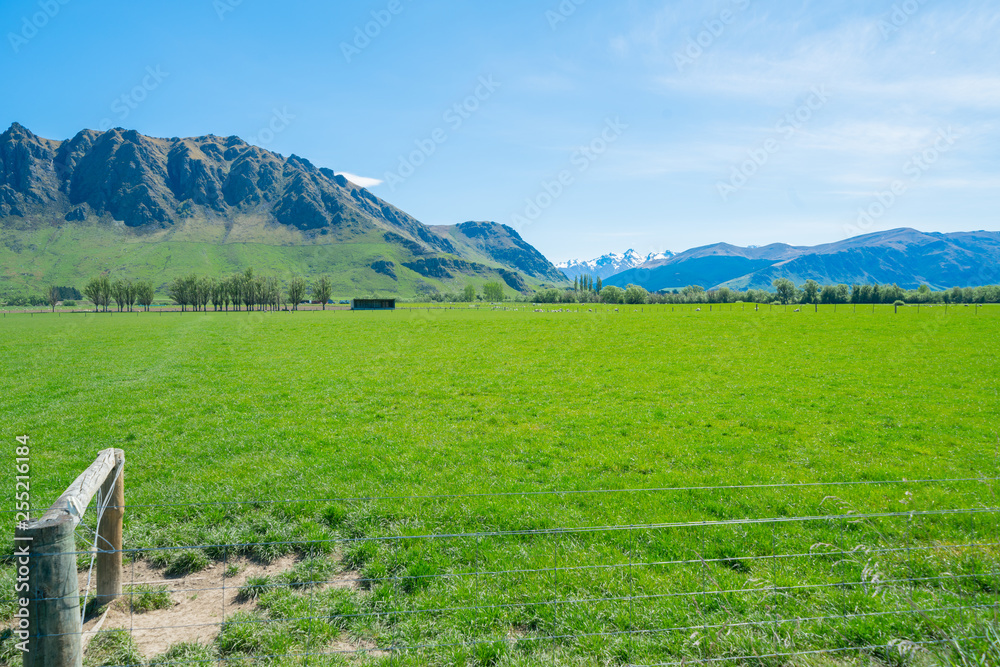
(949, 595)
(571, 492)
(578, 568)
(537, 532)
(583, 635)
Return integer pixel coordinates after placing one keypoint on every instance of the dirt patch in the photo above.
(201, 603)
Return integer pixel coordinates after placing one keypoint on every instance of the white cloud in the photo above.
(362, 181)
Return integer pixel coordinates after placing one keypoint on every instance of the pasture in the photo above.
(366, 441)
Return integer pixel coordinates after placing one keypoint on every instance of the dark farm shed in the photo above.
(373, 304)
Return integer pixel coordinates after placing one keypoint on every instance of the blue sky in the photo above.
(589, 126)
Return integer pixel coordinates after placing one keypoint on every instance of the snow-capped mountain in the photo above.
(610, 264)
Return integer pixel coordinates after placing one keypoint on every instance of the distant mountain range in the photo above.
(154, 208)
(906, 257)
(608, 265)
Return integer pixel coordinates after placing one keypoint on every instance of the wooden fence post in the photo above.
(54, 616)
(54, 629)
(109, 534)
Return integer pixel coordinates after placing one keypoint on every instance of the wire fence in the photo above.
(733, 574)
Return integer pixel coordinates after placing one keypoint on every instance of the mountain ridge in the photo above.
(211, 190)
(608, 264)
(904, 256)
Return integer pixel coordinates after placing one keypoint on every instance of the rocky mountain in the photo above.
(608, 265)
(142, 204)
(906, 257)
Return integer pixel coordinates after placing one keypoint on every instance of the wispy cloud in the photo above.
(362, 181)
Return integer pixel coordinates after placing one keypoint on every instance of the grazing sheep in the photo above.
(797, 310)
(697, 310)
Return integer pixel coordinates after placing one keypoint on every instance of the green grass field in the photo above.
(283, 406)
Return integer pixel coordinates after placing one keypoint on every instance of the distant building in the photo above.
(373, 304)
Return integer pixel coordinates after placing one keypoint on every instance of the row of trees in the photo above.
(492, 291)
(632, 294)
(246, 290)
(125, 293)
(785, 292)
(250, 291)
(53, 295)
(587, 285)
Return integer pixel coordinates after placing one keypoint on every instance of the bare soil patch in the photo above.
(202, 601)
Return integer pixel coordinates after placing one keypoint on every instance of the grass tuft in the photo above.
(187, 653)
(255, 587)
(188, 561)
(146, 597)
(114, 648)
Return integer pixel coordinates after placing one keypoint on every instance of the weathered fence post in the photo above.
(53, 593)
(109, 533)
(55, 631)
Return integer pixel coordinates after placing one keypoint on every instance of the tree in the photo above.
(635, 294)
(784, 290)
(493, 291)
(272, 288)
(829, 294)
(576, 284)
(144, 293)
(550, 295)
(469, 293)
(92, 290)
(598, 287)
(296, 292)
(218, 293)
(612, 294)
(892, 293)
(322, 290)
(247, 286)
(53, 296)
(179, 292)
(235, 285)
(119, 292)
(204, 288)
(130, 295)
(693, 294)
(105, 285)
(810, 292)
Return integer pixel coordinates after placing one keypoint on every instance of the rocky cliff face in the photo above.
(503, 245)
(149, 183)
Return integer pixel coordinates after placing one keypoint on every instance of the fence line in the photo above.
(615, 582)
(508, 494)
(562, 531)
